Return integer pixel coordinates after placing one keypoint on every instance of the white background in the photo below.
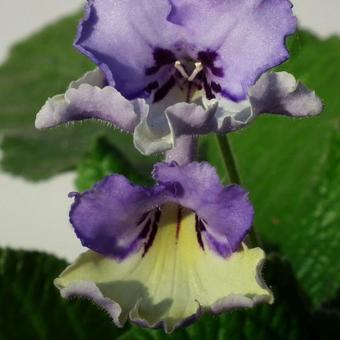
(35, 216)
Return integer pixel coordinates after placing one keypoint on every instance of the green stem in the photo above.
(228, 159)
(234, 176)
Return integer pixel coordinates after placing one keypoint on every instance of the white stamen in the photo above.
(198, 68)
(179, 67)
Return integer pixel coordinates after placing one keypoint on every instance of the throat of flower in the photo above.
(195, 72)
(191, 85)
(178, 230)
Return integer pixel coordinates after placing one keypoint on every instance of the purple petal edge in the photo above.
(82, 34)
(226, 211)
(88, 290)
(102, 225)
(88, 10)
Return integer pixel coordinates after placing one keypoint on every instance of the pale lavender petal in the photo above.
(153, 133)
(190, 119)
(159, 130)
(219, 116)
(281, 93)
(237, 40)
(89, 98)
(130, 40)
(184, 151)
(115, 217)
(89, 290)
(225, 213)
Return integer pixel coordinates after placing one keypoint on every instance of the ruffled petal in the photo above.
(237, 40)
(153, 133)
(276, 93)
(281, 93)
(116, 218)
(129, 40)
(228, 115)
(225, 214)
(171, 285)
(90, 98)
(158, 130)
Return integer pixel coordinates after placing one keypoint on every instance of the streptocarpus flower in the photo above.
(163, 256)
(177, 67)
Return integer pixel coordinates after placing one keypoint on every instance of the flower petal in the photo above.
(163, 124)
(115, 217)
(122, 37)
(225, 212)
(237, 40)
(172, 285)
(229, 115)
(153, 133)
(157, 132)
(89, 98)
(281, 93)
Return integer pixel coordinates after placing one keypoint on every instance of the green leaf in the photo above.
(328, 318)
(103, 160)
(31, 307)
(37, 69)
(291, 168)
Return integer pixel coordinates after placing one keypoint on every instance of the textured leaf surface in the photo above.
(103, 160)
(31, 307)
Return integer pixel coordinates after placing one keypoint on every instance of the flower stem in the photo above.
(234, 176)
(228, 159)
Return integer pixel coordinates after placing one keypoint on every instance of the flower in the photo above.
(225, 45)
(164, 256)
(182, 67)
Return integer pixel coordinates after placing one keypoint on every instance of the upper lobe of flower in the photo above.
(146, 48)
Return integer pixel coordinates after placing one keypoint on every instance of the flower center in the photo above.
(195, 73)
(180, 67)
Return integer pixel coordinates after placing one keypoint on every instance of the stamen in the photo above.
(198, 68)
(179, 67)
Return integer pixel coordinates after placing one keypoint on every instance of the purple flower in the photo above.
(162, 256)
(178, 67)
(222, 46)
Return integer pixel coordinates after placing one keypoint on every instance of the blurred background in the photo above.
(34, 216)
(291, 168)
